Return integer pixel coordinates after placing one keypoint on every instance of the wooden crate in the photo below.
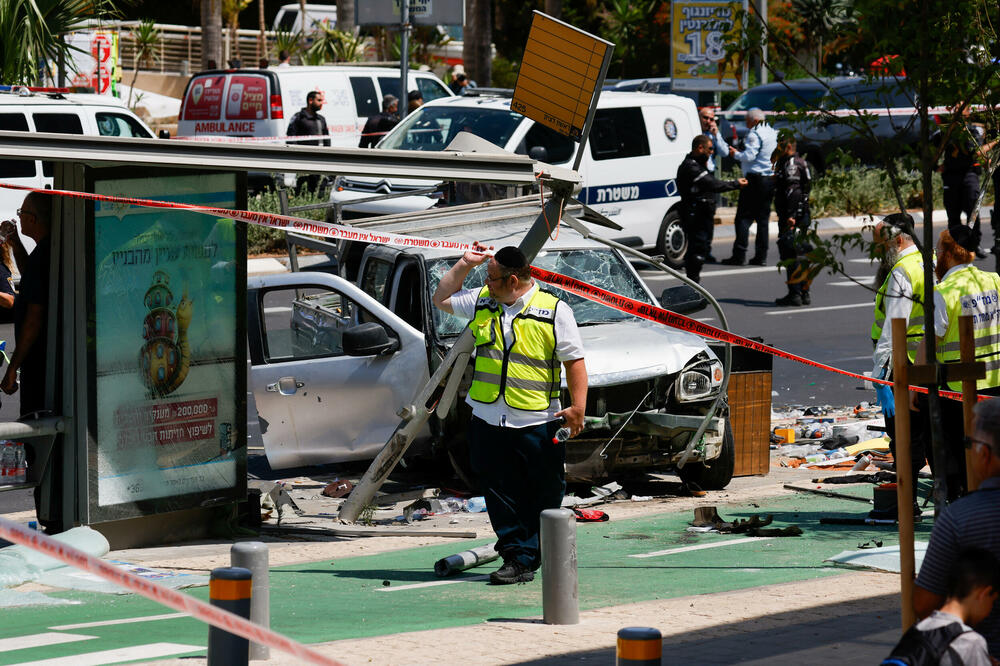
(750, 415)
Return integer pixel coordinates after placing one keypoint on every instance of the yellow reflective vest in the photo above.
(527, 374)
(913, 266)
(970, 291)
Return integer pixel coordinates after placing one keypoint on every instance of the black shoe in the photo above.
(732, 261)
(793, 300)
(758, 261)
(983, 252)
(512, 572)
(711, 260)
(806, 298)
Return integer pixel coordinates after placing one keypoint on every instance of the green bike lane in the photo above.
(397, 591)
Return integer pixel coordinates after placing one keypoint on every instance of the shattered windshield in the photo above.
(603, 268)
(433, 127)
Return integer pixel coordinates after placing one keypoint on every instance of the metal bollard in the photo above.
(229, 588)
(560, 598)
(639, 646)
(252, 555)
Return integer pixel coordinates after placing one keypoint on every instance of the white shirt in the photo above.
(970, 646)
(940, 309)
(898, 302)
(569, 347)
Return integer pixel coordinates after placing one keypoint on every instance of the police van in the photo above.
(58, 111)
(629, 166)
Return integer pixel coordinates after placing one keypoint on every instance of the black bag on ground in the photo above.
(925, 648)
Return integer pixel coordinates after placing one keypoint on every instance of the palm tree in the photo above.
(211, 33)
(345, 15)
(146, 38)
(30, 33)
(623, 20)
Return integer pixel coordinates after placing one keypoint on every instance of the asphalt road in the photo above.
(834, 329)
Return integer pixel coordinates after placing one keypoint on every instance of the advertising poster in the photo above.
(166, 328)
(698, 47)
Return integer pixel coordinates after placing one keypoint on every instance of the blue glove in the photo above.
(885, 400)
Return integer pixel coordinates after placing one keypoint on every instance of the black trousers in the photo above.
(698, 221)
(521, 472)
(918, 442)
(960, 194)
(792, 245)
(753, 207)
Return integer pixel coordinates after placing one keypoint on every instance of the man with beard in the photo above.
(963, 289)
(900, 296)
(697, 187)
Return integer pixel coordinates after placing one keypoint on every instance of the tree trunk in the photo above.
(303, 21)
(554, 8)
(477, 52)
(211, 33)
(263, 28)
(345, 15)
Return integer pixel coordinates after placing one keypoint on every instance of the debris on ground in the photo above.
(467, 559)
(707, 519)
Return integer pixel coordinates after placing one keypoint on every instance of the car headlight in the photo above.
(700, 382)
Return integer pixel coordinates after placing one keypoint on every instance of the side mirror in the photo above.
(164, 134)
(682, 299)
(539, 154)
(368, 339)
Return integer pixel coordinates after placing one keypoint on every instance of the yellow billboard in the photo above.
(698, 47)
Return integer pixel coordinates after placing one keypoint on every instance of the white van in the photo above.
(48, 110)
(288, 18)
(629, 168)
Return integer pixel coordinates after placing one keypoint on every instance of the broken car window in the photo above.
(602, 268)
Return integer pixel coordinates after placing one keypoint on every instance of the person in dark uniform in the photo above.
(698, 187)
(309, 122)
(377, 125)
(791, 203)
(961, 169)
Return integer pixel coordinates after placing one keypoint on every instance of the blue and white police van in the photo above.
(629, 167)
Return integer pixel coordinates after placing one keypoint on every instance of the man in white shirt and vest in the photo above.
(524, 337)
(900, 296)
(963, 289)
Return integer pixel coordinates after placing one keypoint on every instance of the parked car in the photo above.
(661, 86)
(629, 167)
(261, 102)
(288, 18)
(818, 137)
(54, 110)
(334, 360)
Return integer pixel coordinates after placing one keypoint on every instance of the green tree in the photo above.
(146, 40)
(821, 20)
(948, 54)
(30, 33)
(624, 21)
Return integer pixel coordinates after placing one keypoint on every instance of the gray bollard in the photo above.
(560, 599)
(252, 555)
(639, 646)
(229, 588)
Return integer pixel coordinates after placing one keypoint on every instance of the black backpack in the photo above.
(925, 648)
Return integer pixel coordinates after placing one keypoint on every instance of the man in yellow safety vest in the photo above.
(900, 296)
(963, 289)
(523, 335)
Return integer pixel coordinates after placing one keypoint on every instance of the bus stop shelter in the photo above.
(144, 432)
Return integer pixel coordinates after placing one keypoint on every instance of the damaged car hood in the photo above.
(625, 351)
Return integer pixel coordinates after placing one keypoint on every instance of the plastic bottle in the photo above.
(20, 464)
(7, 464)
(561, 435)
(475, 504)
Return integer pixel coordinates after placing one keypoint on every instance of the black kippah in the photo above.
(511, 257)
(902, 221)
(966, 237)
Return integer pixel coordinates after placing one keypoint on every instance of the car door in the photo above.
(315, 402)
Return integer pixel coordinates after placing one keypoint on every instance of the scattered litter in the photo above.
(877, 444)
(701, 529)
(879, 559)
(14, 598)
(708, 516)
(338, 488)
(605, 493)
(71, 578)
(590, 516)
(826, 493)
(20, 564)
(641, 498)
(871, 543)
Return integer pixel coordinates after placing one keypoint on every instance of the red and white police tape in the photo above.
(213, 615)
(572, 285)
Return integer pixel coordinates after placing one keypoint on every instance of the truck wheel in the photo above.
(672, 242)
(720, 473)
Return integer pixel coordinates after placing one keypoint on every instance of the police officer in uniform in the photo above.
(698, 187)
(900, 296)
(963, 289)
(791, 203)
(524, 337)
